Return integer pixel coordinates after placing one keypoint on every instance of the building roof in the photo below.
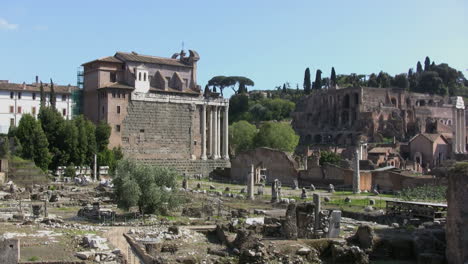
(118, 86)
(105, 59)
(378, 150)
(431, 137)
(149, 59)
(35, 87)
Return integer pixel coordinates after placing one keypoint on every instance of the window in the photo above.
(64, 97)
(12, 122)
(64, 112)
(34, 96)
(123, 95)
(19, 95)
(113, 77)
(33, 110)
(118, 109)
(12, 109)
(113, 94)
(117, 128)
(118, 94)
(139, 76)
(12, 95)
(144, 76)
(19, 109)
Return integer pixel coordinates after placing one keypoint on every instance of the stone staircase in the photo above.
(25, 173)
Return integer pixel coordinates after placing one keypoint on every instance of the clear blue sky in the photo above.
(269, 41)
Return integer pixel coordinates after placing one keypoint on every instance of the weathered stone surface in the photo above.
(290, 224)
(457, 215)
(364, 237)
(345, 255)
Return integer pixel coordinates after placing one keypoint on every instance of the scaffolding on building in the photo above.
(77, 95)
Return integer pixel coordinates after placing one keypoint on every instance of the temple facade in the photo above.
(157, 111)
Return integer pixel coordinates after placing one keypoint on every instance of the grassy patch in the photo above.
(427, 193)
(33, 258)
(358, 203)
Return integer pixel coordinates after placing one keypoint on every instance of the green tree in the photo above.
(53, 96)
(430, 82)
(307, 82)
(412, 80)
(241, 136)
(427, 64)
(401, 81)
(333, 77)
(238, 104)
(82, 140)
(91, 145)
(4, 147)
(329, 157)
(43, 96)
(68, 147)
(103, 131)
(318, 80)
(373, 82)
(145, 187)
(384, 79)
(33, 141)
(278, 136)
(419, 68)
(52, 122)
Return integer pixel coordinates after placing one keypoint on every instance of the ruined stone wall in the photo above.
(277, 164)
(155, 130)
(342, 116)
(457, 215)
(9, 251)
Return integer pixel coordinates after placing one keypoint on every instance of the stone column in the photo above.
(203, 127)
(226, 134)
(454, 130)
(356, 173)
(215, 132)
(316, 214)
(251, 186)
(210, 131)
(218, 135)
(463, 130)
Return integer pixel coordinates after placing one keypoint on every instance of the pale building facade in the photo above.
(19, 99)
(157, 111)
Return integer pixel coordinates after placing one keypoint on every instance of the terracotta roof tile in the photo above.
(149, 59)
(36, 87)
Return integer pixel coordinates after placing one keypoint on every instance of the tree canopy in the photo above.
(222, 82)
(150, 188)
(277, 135)
(241, 136)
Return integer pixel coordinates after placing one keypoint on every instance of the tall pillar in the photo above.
(218, 138)
(203, 127)
(454, 130)
(215, 133)
(463, 130)
(210, 130)
(226, 134)
(356, 173)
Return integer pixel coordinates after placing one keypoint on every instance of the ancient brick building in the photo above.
(157, 111)
(344, 116)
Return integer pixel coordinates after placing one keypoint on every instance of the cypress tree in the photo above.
(43, 97)
(307, 82)
(419, 68)
(333, 77)
(318, 80)
(284, 88)
(427, 64)
(53, 97)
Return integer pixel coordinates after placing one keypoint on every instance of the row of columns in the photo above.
(459, 131)
(213, 115)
